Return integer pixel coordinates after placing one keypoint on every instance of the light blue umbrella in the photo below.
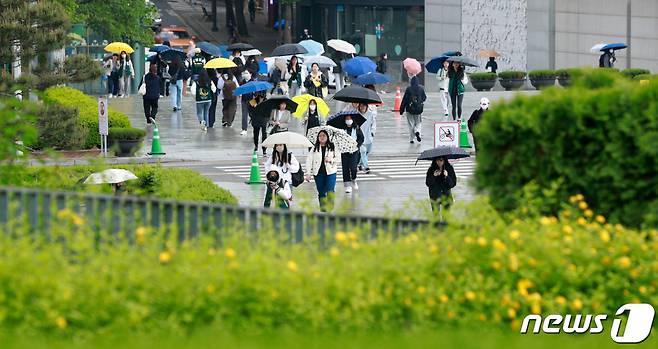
(313, 47)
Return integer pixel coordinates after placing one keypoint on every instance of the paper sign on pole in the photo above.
(102, 116)
(446, 133)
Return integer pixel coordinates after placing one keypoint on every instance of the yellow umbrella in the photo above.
(219, 63)
(117, 47)
(302, 105)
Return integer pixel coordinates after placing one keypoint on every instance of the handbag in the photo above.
(142, 87)
(297, 177)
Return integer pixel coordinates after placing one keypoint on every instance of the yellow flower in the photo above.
(567, 229)
(643, 289)
(535, 308)
(140, 235)
(341, 237)
(482, 241)
(421, 290)
(523, 285)
(568, 239)
(468, 240)
(582, 221)
(165, 257)
(210, 289)
(351, 236)
(635, 273)
(77, 220)
(580, 197)
(619, 227)
(498, 245)
(496, 265)
(573, 199)
(588, 213)
(514, 234)
(443, 298)
(412, 238)
(513, 262)
(576, 304)
(470, 295)
(355, 245)
(230, 253)
(292, 266)
(583, 205)
(545, 221)
(233, 265)
(515, 325)
(62, 214)
(430, 302)
(451, 314)
(600, 219)
(61, 322)
(482, 317)
(605, 260)
(433, 249)
(334, 252)
(624, 261)
(604, 235)
(212, 251)
(511, 313)
(407, 301)
(560, 300)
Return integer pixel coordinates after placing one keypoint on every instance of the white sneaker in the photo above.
(243, 132)
(111, 96)
(355, 186)
(348, 189)
(203, 125)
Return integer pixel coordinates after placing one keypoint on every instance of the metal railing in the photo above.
(38, 210)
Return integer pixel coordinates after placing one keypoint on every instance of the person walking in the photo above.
(258, 122)
(338, 70)
(295, 77)
(306, 35)
(440, 178)
(476, 116)
(109, 65)
(127, 73)
(284, 161)
(163, 73)
(252, 10)
(212, 112)
(382, 63)
(368, 128)
(203, 90)
(442, 76)
(312, 117)
(279, 119)
(114, 76)
(350, 161)
(276, 79)
(316, 82)
(413, 103)
(456, 87)
(150, 98)
(607, 59)
(492, 65)
(227, 83)
(321, 165)
(244, 101)
(252, 65)
(278, 192)
(197, 61)
(177, 73)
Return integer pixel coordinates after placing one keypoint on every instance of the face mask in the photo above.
(225, 76)
(246, 76)
(123, 56)
(484, 106)
(312, 107)
(349, 122)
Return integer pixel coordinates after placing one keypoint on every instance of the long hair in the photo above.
(204, 79)
(330, 146)
(446, 165)
(459, 72)
(277, 158)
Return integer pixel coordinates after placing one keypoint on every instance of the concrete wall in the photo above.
(442, 31)
(541, 36)
(644, 34)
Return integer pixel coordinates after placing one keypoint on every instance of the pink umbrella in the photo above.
(412, 66)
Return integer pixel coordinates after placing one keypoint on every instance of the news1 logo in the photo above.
(637, 329)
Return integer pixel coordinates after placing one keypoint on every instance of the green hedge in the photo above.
(542, 74)
(632, 72)
(645, 76)
(482, 76)
(87, 107)
(512, 74)
(126, 134)
(599, 138)
(162, 182)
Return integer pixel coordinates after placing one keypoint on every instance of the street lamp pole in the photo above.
(214, 16)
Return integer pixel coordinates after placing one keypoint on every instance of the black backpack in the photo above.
(297, 177)
(415, 105)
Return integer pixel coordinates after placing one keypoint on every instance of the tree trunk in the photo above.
(287, 37)
(239, 15)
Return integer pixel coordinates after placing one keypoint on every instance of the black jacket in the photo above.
(475, 118)
(313, 120)
(359, 134)
(414, 89)
(152, 82)
(258, 120)
(440, 186)
(314, 90)
(381, 65)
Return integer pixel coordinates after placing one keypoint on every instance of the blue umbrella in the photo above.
(225, 52)
(617, 46)
(313, 47)
(372, 79)
(251, 87)
(359, 66)
(159, 48)
(209, 48)
(435, 64)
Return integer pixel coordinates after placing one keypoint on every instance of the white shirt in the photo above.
(286, 170)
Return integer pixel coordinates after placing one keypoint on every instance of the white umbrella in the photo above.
(110, 176)
(290, 139)
(342, 46)
(597, 47)
(252, 52)
(322, 61)
(343, 142)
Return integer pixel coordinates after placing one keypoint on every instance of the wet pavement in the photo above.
(224, 156)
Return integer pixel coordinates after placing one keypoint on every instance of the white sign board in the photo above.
(102, 116)
(446, 134)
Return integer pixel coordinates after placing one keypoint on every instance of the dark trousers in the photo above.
(350, 162)
(229, 107)
(263, 133)
(164, 86)
(212, 111)
(456, 101)
(115, 83)
(110, 84)
(150, 108)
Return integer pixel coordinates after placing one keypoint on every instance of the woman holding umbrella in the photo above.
(457, 80)
(259, 121)
(279, 118)
(439, 180)
(350, 161)
(321, 163)
(284, 161)
(177, 72)
(295, 79)
(312, 117)
(316, 82)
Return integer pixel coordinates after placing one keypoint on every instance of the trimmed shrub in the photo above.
(162, 182)
(482, 76)
(542, 74)
(600, 142)
(58, 128)
(633, 72)
(125, 133)
(87, 107)
(645, 76)
(512, 74)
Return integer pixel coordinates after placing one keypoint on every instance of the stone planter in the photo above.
(125, 147)
(483, 85)
(512, 84)
(542, 83)
(564, 82)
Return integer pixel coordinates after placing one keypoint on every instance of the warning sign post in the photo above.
(446, 134)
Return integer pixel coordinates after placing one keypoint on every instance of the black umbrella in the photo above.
(266, 106)
(239, 46)
(463, 60)
(338, 120)
(357, 94)
(170, 54)
(448, 152)
(289, 50)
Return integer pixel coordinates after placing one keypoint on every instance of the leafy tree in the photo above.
(115, 20)
(16, 120)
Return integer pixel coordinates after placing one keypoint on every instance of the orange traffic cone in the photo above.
(398, 100)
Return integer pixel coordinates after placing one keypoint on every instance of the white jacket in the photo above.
(314, 161)
(286, 170)
(442, 76)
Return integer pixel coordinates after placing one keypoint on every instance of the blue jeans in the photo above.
(202, 109)
(365, 150)
(176, 91)
(326, 185)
